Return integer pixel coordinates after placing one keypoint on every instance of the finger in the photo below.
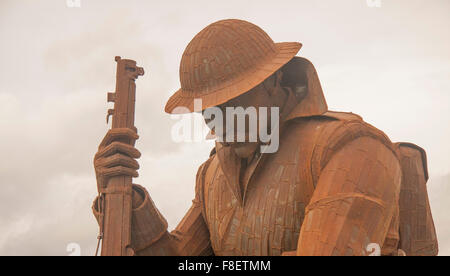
(118, 147)
(116, 134)
(117, 159)
(118, 171)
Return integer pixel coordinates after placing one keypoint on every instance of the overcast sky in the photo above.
(390, 64)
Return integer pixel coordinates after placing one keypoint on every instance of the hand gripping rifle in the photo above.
(116, 198)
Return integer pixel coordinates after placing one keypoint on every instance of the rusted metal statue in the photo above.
(335, 186)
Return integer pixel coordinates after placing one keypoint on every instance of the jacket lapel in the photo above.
(231, 166)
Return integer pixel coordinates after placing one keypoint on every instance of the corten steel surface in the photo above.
(117, 193)
(335, 185)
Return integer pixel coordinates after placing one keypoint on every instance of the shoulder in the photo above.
(349, 127)
(330, 132)
(334, 129)
(328, 120)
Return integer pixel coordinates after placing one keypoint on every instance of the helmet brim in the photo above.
(179, 103)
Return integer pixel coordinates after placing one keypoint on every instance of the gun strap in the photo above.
(101, 219)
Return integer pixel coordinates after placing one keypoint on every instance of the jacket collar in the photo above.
(311, 101)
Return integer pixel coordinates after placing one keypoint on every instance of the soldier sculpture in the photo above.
(335, 185)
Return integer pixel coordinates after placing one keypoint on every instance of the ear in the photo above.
(274, 81)
(278, 77)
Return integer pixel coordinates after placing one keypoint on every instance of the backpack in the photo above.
(416, 231)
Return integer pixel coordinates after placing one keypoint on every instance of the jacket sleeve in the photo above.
(149, 235)
(355, 201)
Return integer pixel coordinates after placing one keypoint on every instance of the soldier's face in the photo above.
(240, 120)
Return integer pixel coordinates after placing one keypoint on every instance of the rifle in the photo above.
(117, 197)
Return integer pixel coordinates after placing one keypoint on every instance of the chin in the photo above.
(245, 150)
